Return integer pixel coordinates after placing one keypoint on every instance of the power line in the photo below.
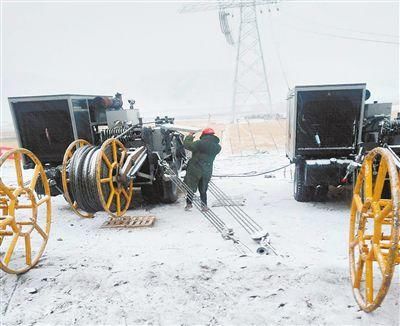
(342, 36)
(250, 174)
(352, 30)
(277, 49)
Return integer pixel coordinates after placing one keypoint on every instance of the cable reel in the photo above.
(91, 178)
(65, 176)
(25, 216)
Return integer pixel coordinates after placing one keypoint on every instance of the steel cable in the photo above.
(239, 215)
(82, 176)
(247, 226)
(220, 226)
(211, 216)
(248, 223)
(227, 233)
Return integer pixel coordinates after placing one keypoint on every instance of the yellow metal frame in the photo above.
(111, 189)
(9, 203)
(370, 246)
(65, 179)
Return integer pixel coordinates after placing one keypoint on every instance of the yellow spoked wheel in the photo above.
(374, 229)
(115, 195)
(26, 216)
(65, 177)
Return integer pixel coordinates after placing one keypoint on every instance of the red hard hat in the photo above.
(208, 131)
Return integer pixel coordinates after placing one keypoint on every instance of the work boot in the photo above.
(204, 209)
(188, 207)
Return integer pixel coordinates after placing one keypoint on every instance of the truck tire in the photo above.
(321, 193)
(167, 189)
(164, 191)
(149, 193)
(301, 192)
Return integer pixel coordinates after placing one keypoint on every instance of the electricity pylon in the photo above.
(250, 85)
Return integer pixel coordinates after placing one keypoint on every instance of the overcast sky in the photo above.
(178, 63)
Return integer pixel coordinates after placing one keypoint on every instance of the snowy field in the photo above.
(181, 271)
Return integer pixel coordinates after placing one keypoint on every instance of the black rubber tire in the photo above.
(167, 189)
(150, 193)
(164, 191)
(321, 193)
(301, 193)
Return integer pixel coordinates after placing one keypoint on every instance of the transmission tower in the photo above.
(250, 86)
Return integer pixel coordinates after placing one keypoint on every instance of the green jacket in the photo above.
(204, 152)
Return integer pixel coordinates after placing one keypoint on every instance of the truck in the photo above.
(47, 125)
(328, 126)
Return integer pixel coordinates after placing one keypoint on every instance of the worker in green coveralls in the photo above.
(200, 166)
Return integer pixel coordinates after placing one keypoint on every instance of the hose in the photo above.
(248, 175)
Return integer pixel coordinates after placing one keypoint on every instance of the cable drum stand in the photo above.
(244, 220)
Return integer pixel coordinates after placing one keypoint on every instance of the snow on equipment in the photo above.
(95, 151)
(25, 212)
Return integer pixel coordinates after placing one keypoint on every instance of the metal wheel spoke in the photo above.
(379, 259)
(11, 248)
(118, 203)
(110, 198)
(125, 194)
(18, 169)
(368, 180)
(386, 211)
(106, 160)
(40, 231)
(104, 180)
(45, 199)
(5, 221)
(369, 281)
(4, 233)
(28, 250)
(380, 180)
(36, 174)
(359, 272)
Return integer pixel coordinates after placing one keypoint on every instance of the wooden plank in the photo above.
(129, 222)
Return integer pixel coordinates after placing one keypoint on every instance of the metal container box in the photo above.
(46, 125)
(324, 129)
(324, 121)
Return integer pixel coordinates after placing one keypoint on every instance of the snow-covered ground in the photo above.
(182, 272)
